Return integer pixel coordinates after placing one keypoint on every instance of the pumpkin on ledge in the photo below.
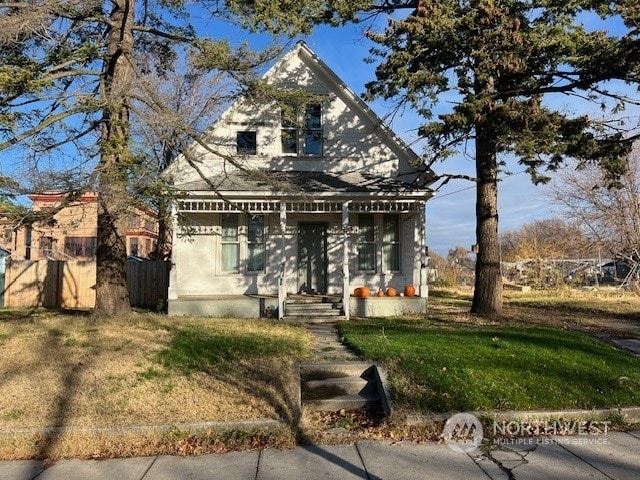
(362, 292)
(391, 292)
(409, 291)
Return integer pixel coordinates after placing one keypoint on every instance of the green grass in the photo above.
(442, 367)
(197, 348)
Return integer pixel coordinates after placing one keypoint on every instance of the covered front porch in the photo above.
(314, 244)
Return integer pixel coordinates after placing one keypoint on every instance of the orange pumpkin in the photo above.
(380, 293)
(391, 292)
(362, 292)
(409, 291)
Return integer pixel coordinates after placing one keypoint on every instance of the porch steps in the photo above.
(338, 386)
(313, 308)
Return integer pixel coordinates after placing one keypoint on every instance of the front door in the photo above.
(312, 258)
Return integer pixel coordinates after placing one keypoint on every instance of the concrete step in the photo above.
(313, 319)
(340, 402)
(314, 309)
(312, 306)
(321, 371)
(313, 313)
(313, 299)
(331, 387)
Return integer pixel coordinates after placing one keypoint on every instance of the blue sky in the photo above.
(451, 213)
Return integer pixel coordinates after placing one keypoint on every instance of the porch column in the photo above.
(282, 289)
(346, 289)
(172, 293)
(423, 289)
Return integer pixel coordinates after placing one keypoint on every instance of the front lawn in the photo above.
(440, 367)
(73, 371)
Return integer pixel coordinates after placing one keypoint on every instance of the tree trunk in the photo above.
(112, 297)
(487, 296)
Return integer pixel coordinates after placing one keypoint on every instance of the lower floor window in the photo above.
(391, 243)
(255, 244)
(133, 246)
(80, 246)
(242, 244)
(379, 233)
(366, 243)
(230, 243)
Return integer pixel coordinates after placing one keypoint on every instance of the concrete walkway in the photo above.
(326, 345)
(610, 456)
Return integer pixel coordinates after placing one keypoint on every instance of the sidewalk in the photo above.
(602, 457)
(610, 456)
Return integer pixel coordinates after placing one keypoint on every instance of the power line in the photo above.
(472, 186)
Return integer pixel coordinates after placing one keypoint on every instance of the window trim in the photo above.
(300, 131)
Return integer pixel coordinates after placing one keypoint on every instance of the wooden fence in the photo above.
(71, 284)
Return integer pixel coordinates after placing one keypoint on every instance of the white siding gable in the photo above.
(354, 138)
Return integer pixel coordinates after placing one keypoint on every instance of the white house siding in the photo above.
(351, 141)
(197, 252)
(365, 164)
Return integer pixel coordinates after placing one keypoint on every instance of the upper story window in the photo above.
(246, 143)
(301, 132)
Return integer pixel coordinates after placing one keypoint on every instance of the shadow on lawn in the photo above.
(251, 363)
(71, 371)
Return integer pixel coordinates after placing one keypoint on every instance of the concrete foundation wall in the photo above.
(386, 306)
(222, 307)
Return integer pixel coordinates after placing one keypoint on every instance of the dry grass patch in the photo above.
(604, 310)
(67, 371)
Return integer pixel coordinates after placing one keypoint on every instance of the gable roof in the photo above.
(336, 88)
(353, 100)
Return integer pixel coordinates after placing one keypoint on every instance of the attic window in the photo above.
(246, 143)
(301, 132)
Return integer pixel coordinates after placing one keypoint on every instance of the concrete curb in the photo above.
(630, 414)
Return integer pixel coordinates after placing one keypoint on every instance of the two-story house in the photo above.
(70, 233)
(315, 196)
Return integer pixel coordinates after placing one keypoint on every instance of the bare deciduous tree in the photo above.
(68, 77)
(609, 216)
(547, 238)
